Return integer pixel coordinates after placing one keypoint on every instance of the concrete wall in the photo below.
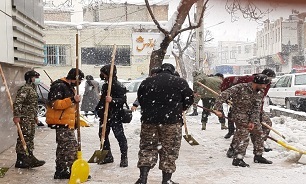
(93, 36)
(109, 12)
(6, 32)
(21, 48)
(15, 78)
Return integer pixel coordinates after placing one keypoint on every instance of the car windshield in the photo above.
(300, 79)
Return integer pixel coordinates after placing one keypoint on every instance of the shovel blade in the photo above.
(190, 140)
(79, 170)
(98, 156)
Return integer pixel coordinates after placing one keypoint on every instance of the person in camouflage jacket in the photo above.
(25, 109)
(246, 101)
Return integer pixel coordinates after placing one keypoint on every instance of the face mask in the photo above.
(73, 84)
(37, 81)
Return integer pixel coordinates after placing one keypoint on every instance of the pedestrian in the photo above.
(91, 96)
(233, 80)
(162, 98)
(116, 101)
(25, 110)
(196, 90)
(208, 98)
(247, 100)
(61, 116)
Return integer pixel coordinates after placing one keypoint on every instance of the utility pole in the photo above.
(199, 37)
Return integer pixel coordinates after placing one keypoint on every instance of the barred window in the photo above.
(55, 54)
(102, 55)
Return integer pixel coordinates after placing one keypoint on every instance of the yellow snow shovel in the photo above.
(80, 168)
(99, 155)
(187, 136)
(286, 145)
(83, 121)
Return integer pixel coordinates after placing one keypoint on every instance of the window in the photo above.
(102, 55)
(239, 49)
(224, 55)
(247, 49)
(55, 54)
(233, 54)
(300, 80)
(284, 82)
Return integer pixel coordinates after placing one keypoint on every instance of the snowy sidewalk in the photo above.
(202, 164)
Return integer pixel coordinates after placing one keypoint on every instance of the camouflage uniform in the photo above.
(264, 117)
(67, 147)
(170, 136)
(197, 89)
(208, 98)
(246, 108)
(26, 107)
(163, 98)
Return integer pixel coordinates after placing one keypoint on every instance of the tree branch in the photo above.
(154, 19)
(198, 24)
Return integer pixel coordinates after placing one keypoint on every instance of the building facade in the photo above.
(234, 57)
(281, 44)
(134, 36)
(21, 48)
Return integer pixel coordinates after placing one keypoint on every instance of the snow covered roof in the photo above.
(99, 24)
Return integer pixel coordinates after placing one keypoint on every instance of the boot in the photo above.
(34, 162)
(167, 178)
(194, 113)
(108, 159)
(262, 160)
(124, 160)
(230, 152)
(61, 173)
(229, 134)
(143, 177)
(267, 149)
(223, 127)
(23, 161)
(203, 125)
(239, 162)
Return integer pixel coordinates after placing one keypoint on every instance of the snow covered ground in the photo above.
(207, 162)
(203, 164)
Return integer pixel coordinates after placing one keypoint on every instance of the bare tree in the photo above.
(180, 51)
(158, 55)
(182, 45)
(246, 7)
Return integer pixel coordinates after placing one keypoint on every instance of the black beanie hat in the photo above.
(29, 74)
(72, 74)
(261, 79)
(106, 70)
(168, 67)
(268, 72)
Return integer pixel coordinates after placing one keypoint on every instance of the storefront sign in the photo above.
(143, 43)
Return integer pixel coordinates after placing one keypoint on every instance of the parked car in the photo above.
(132, 88)
(289, 91)
(42, 91)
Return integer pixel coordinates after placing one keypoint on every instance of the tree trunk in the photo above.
(180, 62)
(157, 56)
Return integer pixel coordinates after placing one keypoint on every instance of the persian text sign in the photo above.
(143, 43)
